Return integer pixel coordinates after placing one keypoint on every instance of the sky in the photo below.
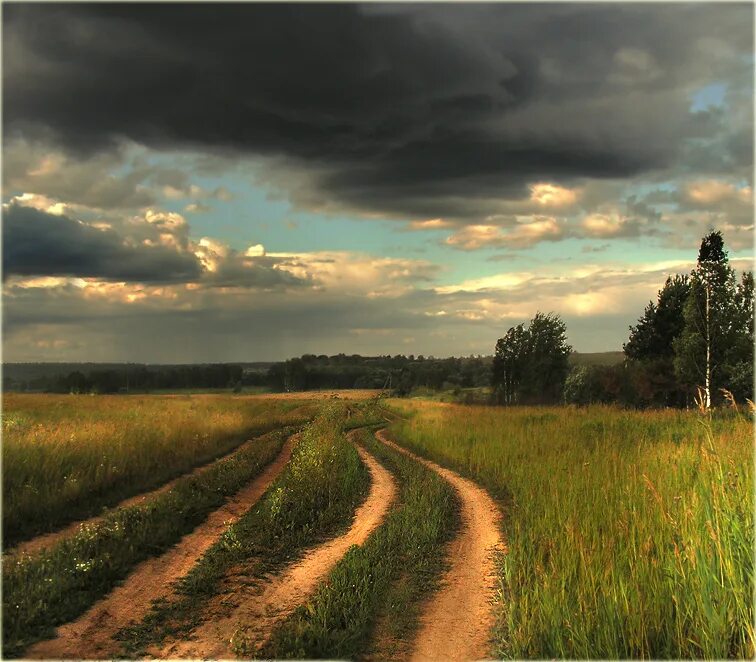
(250, 182)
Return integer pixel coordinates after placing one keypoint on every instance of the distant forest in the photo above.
(399, 373)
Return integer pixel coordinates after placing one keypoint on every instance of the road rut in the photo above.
(90, 636)
(260, 608)
(457, 622)
(47, 540)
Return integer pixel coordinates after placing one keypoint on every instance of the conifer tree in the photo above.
(709, 336)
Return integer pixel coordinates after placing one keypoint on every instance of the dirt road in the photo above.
(457, 622)
(90, 636)
(47, 540)
(259, 608)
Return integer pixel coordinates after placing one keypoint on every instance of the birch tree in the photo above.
(705, 346)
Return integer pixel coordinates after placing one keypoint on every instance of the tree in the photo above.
(531, 364)
(651, 342)
(739, 367)
(661, 322)
(710, 317)
(508, 365)
(577, 386)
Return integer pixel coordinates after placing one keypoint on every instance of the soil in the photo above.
(47, 540)
(457, 622)
(252, 611)
(336, 394)
(90, 636)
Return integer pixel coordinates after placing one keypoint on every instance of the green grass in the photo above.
(480, 395)
(630, 534)
(314, 497)
(57, 585)
(381, 582)
(67, 457)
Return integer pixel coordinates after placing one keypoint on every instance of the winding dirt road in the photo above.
(457, 622)
(260, 608)
(90, 636)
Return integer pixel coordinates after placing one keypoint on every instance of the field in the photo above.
(629, 534)
(66, 457)
(338, 524)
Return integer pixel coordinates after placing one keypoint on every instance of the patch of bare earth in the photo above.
(456, 624)
(47, 540)
(250, 612)
(90, 636)
(337, 394)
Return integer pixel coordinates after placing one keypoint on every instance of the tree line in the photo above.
(400, 374)
(695, 341)
(132, 378)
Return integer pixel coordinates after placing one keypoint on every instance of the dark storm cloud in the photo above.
(384, 107)
(36, 243)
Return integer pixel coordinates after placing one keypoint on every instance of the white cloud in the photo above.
(430, 224)
(526, 232)
(255, 250)
(604, 225)
(713, 191)
(552, 195)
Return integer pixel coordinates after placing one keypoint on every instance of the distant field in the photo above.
(67, 456)
(246, 390)
(630, 534)
(338, 394)
(596, 358)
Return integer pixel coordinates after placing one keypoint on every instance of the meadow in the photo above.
(313, 498)
(54, 586)
(370, 602)
(629, 534)
(66, 457)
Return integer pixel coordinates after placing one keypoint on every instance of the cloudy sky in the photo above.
(187, 183)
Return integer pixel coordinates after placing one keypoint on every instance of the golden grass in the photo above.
(66, 456)
(630, 534)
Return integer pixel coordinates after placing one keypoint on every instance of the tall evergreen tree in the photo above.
(651, 343)
(705, 346)
(661, 322)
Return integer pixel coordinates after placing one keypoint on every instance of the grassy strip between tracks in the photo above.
(314, 497)
(371, 602)
(55, 586)
(65, 458)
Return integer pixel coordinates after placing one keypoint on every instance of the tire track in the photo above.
(90, 636)
(47, 540)
(260, 608)
(457, 622)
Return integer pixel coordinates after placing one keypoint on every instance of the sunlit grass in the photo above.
(382, 581)
(67, 456)
(630, 534)
(314, 497)
(56, 585)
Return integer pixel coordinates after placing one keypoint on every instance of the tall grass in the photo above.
(315, 496)
(381, 582)
(66, 457)
(56, 585)
(630, 534)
